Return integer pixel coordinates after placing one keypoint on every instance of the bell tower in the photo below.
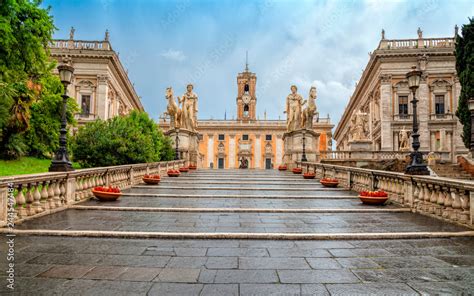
(246, 99)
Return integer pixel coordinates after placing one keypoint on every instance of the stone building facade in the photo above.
(224, 143)
(383, 94)
(100, 83)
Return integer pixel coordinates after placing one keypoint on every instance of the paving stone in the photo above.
(29, 270)
(298, 252)
(197, 252)
(370, 289)
(316, 276)
(323, 263)
(66, 259)
(357, 263)
(66, 271)
(466, 261)
(207, 276)
(178, 275)
(104, 273)
(444, 288)
(246, 276)
(314, 289)
(400, 275)
(373, 252)
(272, 263)
(410, 262)
(35, 286)
(220, 289)
(139, 274)
(269, 289)
(187, 262)
(243, 252)
(222, 262)
(134, 261)
(160, 289)
(156, 251)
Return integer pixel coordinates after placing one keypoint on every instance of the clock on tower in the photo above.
(246, 99)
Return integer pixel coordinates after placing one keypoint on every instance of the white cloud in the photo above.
(174, 55)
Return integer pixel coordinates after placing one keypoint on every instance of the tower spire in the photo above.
(247, 61)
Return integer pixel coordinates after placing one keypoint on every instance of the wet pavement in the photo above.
(48, 265)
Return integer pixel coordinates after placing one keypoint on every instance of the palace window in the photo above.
(439, 104)
(268, 137)
(403, 106)
(245, 137)
(246, 88)
(85, 105)
(246, 110)
(221, 137)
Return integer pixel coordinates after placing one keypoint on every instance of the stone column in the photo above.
(423, 112)
(433, 142)
(258, 151)
(210, 150)
(231, 151)
(101, 98)
(386, 113)
(279, 150)
(442, 140)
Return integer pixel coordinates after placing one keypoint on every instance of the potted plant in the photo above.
(173, 173)
(151, 179)
(106, 193)
(329, 182)
(378, 197)
(309, 175)
(192, 167)
(184, 169)
(282, 167)
(297, 170)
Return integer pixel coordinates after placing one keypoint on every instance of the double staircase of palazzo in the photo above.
(237, 204)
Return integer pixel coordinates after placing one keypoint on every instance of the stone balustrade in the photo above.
(39, 194)
(381, 155)
(416, 43)
(80, 44)
(443, 198)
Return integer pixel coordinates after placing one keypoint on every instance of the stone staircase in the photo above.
(449, 170)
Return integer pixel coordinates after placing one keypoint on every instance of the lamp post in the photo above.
(61, 162)
(471, 109)
(416, 166)
(303, 155)
(176, 140)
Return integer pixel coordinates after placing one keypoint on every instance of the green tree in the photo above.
(25, 32)
(465, 69)
(134, 138)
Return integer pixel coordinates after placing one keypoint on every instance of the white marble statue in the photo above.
(359, 126)
(308, 113)
(172, 109)
(404, 142)
(189, 108)
(293, 109)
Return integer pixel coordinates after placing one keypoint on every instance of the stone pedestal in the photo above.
(188, 145)
(293, 147)
(361, 149)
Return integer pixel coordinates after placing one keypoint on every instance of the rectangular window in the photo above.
(85, 105)
(245, 137)
(221, 137)
(268, 137)
(403, 106)
(439, 104)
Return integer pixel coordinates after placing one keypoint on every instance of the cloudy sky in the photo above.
(322, 43)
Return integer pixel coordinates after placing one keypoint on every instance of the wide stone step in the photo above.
(280, 188)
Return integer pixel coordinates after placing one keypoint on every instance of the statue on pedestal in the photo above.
(359, 126)
(308, 113)
(293, 109)
(172, 109)
(189, 108)
(404, 140)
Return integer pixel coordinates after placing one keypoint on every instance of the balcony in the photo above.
(443, 116)
(402, 117)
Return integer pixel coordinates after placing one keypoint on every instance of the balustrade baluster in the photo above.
(21, 202)
(57, 194)
(50, 199)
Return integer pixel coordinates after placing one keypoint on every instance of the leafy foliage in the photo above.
(465, 69)
(134, 138)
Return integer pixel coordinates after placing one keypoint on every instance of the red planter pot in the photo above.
(371, 200)
(309, 175)
(184, 169)
(106, 196)
(173, 173)
(151, 181)
(329, 184)
(297, 170)
(282, 168)
(193, 167)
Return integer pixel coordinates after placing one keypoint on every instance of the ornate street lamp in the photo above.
(61, 162)
(303, 156)
(471, 109)
(416, 166)
(176, 140)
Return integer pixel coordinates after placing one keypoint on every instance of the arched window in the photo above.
(246, 88)
(246, 110)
